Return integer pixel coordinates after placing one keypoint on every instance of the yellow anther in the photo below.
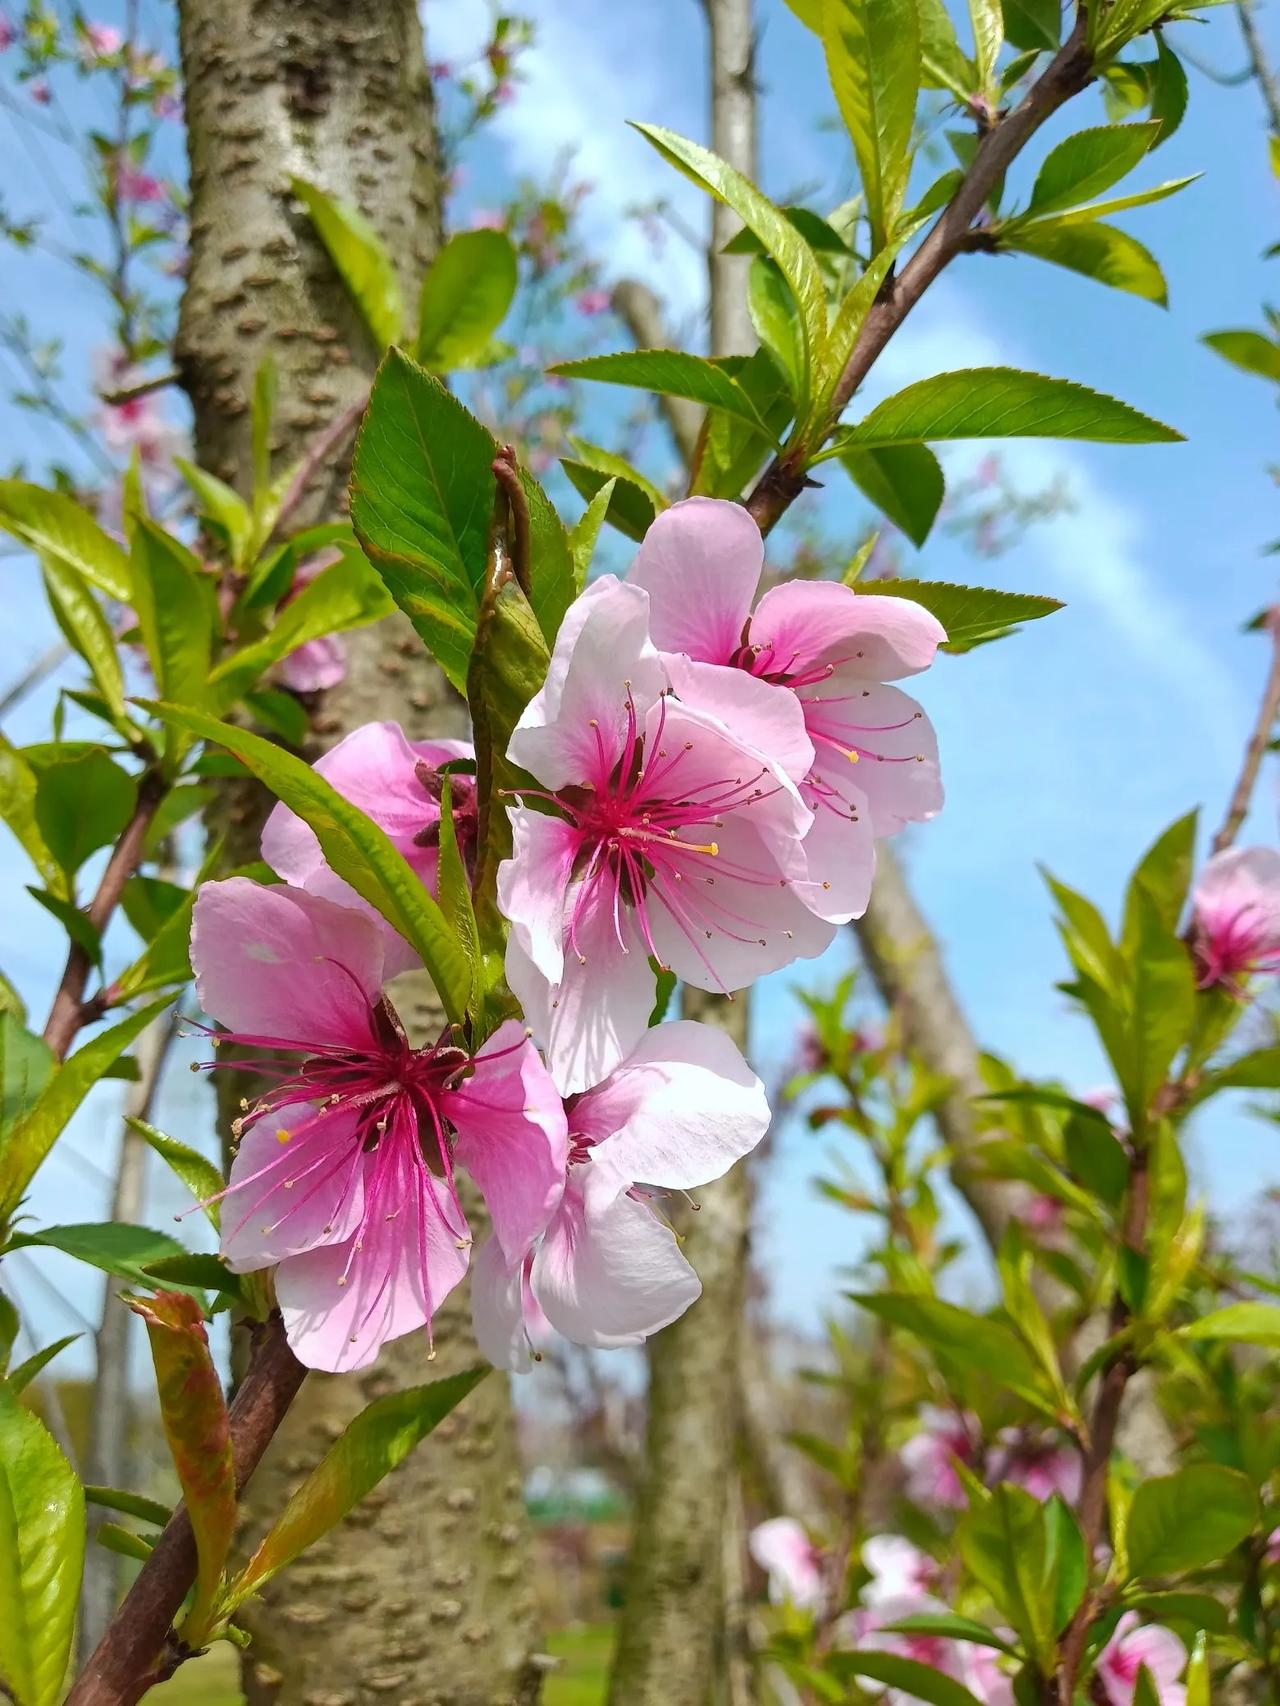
(283, 1134)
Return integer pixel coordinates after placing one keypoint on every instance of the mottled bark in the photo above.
(424, 1594)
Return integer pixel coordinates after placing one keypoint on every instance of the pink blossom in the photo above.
(345, 1170)
(677, 1113)
(8, 35)
(898, 1569)
(504, 92)
(1272, 1552)
(672, 836)
(488, 219)
(396, 782)
(1103, 1097)
(594, 301)
(101, 41)
(791, 1561)
(1038, 1462)
(929, 1458)
(135, 186)
(316, 665)
(440, 70)
(987, 473)
(40, 91)
(1043, 1213)
(820, 644)
(139, 423)
(1133, 1645)
(981, 1674)
(1236, 916)
(975, 1666)
(167, 105)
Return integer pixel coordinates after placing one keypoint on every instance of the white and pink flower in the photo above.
(1236, 917)
(662, 830)
(677, 1113)
(1134, 1645)
(791, 1561)
(344, 1174)
(929, 1458)
(818, 643)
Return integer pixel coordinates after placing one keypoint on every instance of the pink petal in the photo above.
(787, 1555)
(678, 1112)
(278, 962)
(512, 1137)
(1241, 882)
(749, 921)
(611, 1277)
(804, 623)
(573, 729)
(897, 764)
(700, 563)
(840, 849)
(897, 1568)
(590, 1019)
(532, 885)
(288, 1196)
(497, 1315)
(767, 718)
(338, 1327)
(315, 666)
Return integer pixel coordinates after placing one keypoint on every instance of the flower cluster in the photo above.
(710, 780)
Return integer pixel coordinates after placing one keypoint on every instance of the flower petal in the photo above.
(766, 718)
(700, 563)
(532, 885)
(574, 729)
(840, 849)
(277, 962)
(897, 750)
(512, 1137)
(612, 1276)
(803, 623)
(497, 1313)
(296, 1183)
(678, 1112)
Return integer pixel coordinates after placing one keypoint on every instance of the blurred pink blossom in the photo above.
(8, 35)
(593, 301)
(132, 185)
(1136, 1644)
(1041, 1464)
(790, 1559)
(1043, 1214)
(41, 93)
(1236, 916)
(137, 422)
(100, 41)
(898, 1569)
(488, 219)
(929, 1458)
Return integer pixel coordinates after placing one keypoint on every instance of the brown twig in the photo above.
(1066, 75)
(1259, 67)
(1256, 749)
(317, 451)
(139, 1648)
(506, 472)
(143, 388)
(70, 1010)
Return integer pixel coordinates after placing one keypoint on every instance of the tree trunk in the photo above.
(424, 1594)
(672, 1648)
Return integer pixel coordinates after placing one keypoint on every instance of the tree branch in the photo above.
(1259, 68)
(68, 1011)
(139, 1649)
(1256, 748)
(1067, 74)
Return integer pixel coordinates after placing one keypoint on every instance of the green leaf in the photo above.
(32, 1137)
(1241, 1323)
(131, 1504)
(1121, 203)
(373, 1444)
(670, 373)
(11, 1001)
(26, 1065)
(41, 1556)
(630, 508)
(773, 228)
(220, 505)
(82, 804)
(903, 480)
(1094, 1156)
(988, 36)
(1168, 90)
(950, 1627)
(907, 1677)
(421, 500)
(1005, 1543)
(1000, 402)
(18, 1379)
(1065, 1560)
(197, 1173)
(1199, 1610)
(1100, 252)
(360, 257)
(1033, 23)
(198, 1430)
(54, 525)
(1164, 995)
(967, 1341)
(124, 1541)
(455, 896)
(1188, 1520)
(609, 465)
(114, 1246)
(1248, 350)
(177, 614)
(262, 409)
(18, 810)
(586, 530)
(821, 236)
(774, 316)
(968, 613)
(1163, 874)
(196, 1271)
(465, 296)
(1089, 162)
(84, 622)
(809, 13)
(1198, 1690)
(354, 847)
(944, 65)
(1257, 1070)
(874, 63)
(345, 595)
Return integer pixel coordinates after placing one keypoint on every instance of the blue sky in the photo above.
(1072, 743)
